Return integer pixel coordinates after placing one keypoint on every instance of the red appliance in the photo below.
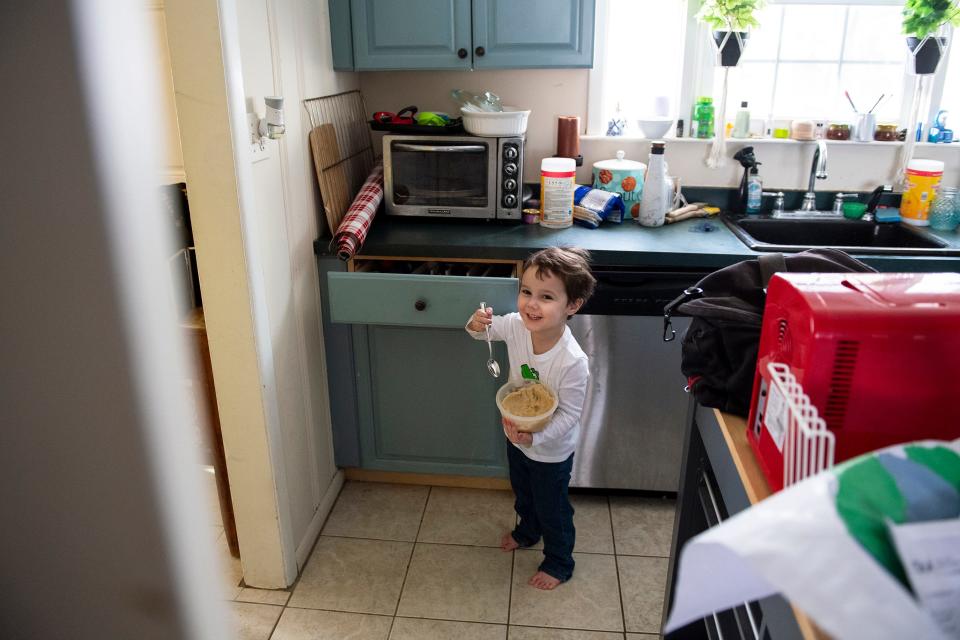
(877, 353)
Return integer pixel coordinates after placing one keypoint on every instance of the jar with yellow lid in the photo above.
(885, 133)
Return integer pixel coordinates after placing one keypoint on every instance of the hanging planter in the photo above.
(926, 53)
(730, 45)
(923, 22)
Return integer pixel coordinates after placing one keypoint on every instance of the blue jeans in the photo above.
(544, 509)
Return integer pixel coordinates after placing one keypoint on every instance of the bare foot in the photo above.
(544, 581)
(507, 543)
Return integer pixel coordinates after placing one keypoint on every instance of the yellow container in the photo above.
(922, 178)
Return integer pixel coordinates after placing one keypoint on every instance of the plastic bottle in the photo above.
(653, 203)
(741, 126)
(702, 124)
(556, 192)
(754, 191)
(922, 179)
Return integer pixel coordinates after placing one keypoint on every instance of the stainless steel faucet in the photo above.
(818, 169)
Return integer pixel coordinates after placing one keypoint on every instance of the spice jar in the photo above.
(885, 133)
(838, 131)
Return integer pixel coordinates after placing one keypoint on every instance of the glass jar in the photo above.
(885, 133)
(944, 211)
(838, 131)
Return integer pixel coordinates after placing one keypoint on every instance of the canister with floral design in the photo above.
(624, 177)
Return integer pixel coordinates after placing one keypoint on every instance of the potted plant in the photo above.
(730, 20)
(922, 23)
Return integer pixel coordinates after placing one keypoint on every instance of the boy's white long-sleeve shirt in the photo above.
(564, 368)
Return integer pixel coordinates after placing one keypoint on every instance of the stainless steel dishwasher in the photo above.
(632, 425)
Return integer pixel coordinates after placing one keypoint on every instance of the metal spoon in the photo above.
(492, 366)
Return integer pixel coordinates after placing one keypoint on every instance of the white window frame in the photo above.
(699, 62)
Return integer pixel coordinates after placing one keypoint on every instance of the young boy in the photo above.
(554, 284)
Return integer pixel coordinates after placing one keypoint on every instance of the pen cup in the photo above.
(866, 127)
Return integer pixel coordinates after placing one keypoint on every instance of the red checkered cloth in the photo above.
(356, 223)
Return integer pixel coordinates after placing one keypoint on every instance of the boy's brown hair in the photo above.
(569, 264)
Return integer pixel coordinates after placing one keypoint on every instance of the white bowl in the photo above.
(528, 424)
(494, 124)
(654, 128)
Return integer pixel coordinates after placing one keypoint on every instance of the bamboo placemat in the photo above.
(342, 150)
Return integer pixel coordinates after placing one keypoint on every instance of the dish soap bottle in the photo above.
(653, 202)
(741, 126)
(754, 191)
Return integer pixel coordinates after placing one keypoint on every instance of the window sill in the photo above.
(787, 141)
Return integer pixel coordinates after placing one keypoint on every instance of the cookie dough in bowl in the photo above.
(528, 404)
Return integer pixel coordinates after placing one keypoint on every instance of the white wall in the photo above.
(285, 50)
(254, 222)
(549, 93)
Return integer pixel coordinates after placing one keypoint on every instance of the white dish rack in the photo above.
(809, 446)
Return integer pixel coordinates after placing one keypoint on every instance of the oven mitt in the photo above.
(432, 119)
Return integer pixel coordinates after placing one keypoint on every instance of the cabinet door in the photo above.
(426, 34)
(426, 402)
(532, 33)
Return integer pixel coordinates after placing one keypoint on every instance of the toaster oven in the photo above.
(453, 176)
(878, 355)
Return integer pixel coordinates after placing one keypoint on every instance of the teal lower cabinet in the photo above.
(409, 388)
(426, 402)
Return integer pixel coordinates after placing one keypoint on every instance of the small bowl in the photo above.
(528, 424)
(654, 128)
(496, 124)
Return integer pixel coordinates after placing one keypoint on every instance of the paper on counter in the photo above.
(930, 552)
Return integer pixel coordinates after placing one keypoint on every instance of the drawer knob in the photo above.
(480, 51)
(420, 305)
(462, 53)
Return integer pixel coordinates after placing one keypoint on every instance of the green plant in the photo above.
(725, 15)
(925, 17)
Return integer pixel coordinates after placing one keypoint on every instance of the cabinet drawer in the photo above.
(425, 299)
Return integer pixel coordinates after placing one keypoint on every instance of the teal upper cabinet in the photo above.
(369, 35)
(512, 34)
(424, 34)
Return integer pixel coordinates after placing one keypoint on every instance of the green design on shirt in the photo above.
(528, 373)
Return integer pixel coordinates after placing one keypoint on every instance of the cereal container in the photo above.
(922, 180)
(624, 177)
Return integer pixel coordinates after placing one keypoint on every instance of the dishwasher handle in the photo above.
(691, 293)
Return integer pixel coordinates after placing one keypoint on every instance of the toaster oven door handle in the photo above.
(466, 148)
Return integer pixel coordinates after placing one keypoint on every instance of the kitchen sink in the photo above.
(853, 236)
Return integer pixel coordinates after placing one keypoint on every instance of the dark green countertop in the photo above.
(690, 244)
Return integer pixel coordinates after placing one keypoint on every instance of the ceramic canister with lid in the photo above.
(624, 177)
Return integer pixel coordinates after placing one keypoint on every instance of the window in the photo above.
(951, 89)
(638, 57)
(797, 64)
(804, 56)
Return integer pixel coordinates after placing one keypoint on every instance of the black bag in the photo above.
(719, 350)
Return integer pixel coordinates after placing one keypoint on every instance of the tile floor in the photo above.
(400, 562)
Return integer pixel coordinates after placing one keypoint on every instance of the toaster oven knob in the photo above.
(510, 152)
(509, 184)
(510, 169)
(509, 201)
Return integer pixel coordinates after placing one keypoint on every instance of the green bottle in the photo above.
(702, 124)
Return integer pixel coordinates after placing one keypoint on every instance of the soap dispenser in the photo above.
(747, 159)
(754, 191)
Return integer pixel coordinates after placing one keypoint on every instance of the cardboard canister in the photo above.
(624, 177)
(922, 179)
